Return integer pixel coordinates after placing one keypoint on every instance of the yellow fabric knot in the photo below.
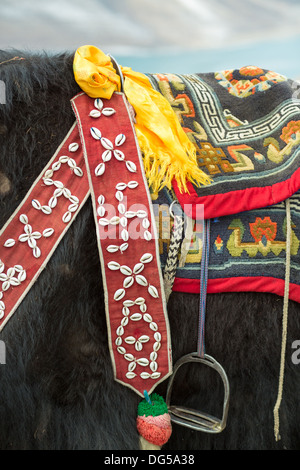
(167, 151)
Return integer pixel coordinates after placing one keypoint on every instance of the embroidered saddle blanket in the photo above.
(245, 125)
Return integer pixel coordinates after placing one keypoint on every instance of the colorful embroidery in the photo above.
(237, 85)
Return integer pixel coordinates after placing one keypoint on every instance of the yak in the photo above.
(57, 386)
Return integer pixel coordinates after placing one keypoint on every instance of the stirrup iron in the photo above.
(199, 421)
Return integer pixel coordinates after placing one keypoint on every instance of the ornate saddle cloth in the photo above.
(245, 125)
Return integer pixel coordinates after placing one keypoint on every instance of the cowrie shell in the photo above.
(125, 270)
(120, 139)
(156, 346)
(143, 308)
(36, 204)
(128, 303)
(103, 222)
(157, 336)
(101, 199)
(138, 268)
(153, 356)
(48, 232)
(144, 339)
(147, 235)
(23, 218)
(100, 169)
(119, 294)
(113, 265)
(144, 375)
(119, 155)
(146, 223)
(141, 280)
(46, 209)
(95, 113)
(63, 159)
(140, 301)
(121, 186)
(138, 346)
(155, 375)
(132, 366)
(132, 184)
(130, 214)
(143, 361)
(130, 375)
(120, 330)
(52, 202)
(49, 173)
(78, 171)
(9, 242)
(128, 281)
(147, 317)
(123, 247)
(72, 163)
(114, 220)
(47, 181)
(108, 112)
(112, 248)
(121, 208)
(66, 192)
(123, 221)
(118, 341)
(153, 326)
(98, 103)
(106, 143)
(74, 199)
(125, 311)
(130, 340)
(106, 156)
(56, 166)
(22, 276)
(119, 196)
(131, 166)
(121, 350)
(96, 133)
(36, 252)
(101, 211)
(73, 147)
(129, 357)
(124, 235)
(141, 214)
(153, 366)
(153, 291)
(73, 207)
(136, 317)
(146, 258)
(124, 321)
(67, 217)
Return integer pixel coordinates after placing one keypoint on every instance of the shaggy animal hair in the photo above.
(57, 388)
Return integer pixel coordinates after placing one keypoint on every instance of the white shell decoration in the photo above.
(96, 133)
(73, 147)
(153, 291)
(131, 166)
(98, 103)
(95, 113)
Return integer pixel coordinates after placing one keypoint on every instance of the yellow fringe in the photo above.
(168, 153)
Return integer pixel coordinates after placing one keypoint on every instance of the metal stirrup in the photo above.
(199, 421)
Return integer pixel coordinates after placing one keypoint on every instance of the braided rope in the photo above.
(284, 320)
(172, 259)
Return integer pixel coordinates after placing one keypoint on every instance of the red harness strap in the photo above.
(100, 156)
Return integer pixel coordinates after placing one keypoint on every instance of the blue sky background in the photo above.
(179, 36)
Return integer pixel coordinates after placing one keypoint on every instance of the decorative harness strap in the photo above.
(100, 156)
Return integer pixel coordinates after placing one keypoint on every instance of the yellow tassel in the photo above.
(168, 153)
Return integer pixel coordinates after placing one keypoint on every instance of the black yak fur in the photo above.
(57, 389)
